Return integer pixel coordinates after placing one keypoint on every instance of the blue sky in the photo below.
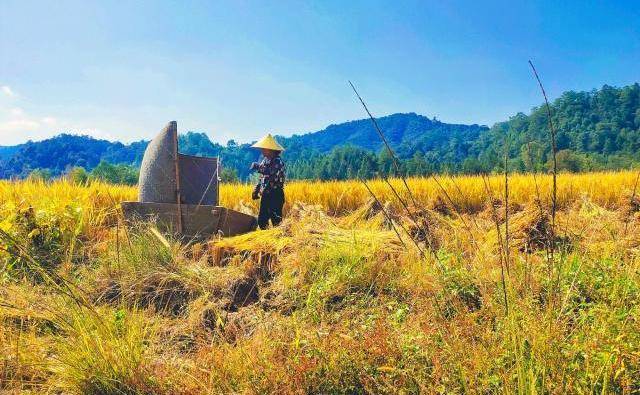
(121, 70)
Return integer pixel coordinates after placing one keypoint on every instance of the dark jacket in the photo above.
(272, 175)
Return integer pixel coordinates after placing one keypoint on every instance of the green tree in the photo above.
(567, 160)
(532, 154)
(78, 175)
(472, 166)
(115, 174)
(416, 165)
(40, 175)
(385, 163)
(367, 168)
(229, 175)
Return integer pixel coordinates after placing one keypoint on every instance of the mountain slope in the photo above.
(7, 152)
(596, 130)
(64, 151)
(404, 132)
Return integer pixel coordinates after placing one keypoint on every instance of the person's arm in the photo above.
(256, 191)
(255, 194)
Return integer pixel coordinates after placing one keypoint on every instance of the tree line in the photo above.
(596, 130)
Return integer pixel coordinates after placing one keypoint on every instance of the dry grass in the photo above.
(330, 301)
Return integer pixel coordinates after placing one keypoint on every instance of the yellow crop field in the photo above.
(467, 193)
(456, 293)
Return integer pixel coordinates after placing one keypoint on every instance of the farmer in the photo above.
(270, 187)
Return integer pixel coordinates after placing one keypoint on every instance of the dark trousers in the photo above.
(271, 208)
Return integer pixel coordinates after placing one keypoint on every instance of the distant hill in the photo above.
(406, 133)
(596, 130)
(599, 129)
(65, 151)
(7, 151)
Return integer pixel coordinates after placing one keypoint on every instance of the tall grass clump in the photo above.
(91, 349)
(142, 268)
(105, 351)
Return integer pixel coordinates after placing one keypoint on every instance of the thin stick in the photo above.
(409, 234)
(494, 215)
(402, 202)
(411, 237)
(552, 131)
(455, 208)
(386, 143)
(535, 178)
(435, 296)
(396, 165)
(539, 204)
(409, 213)
(552, 233)
(384, 211)
(506, 203)
(218, 179)
(411, 216)
(494, 212)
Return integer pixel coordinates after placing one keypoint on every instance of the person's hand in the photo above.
(253, 166)
(255, 195)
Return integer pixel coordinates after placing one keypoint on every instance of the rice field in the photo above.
(467, 193)
(461, 293)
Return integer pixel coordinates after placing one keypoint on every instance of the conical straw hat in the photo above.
(268, 142)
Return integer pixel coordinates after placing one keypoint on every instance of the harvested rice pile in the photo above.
(308, 225)
(530, 229)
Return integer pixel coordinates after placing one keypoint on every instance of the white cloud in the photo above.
(16, 111)
(18, 125)
(49, 121)
(7, 91)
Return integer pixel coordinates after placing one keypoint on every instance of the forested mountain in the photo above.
(7, 152)
(62, 152)
(405, 132)
(599, 129)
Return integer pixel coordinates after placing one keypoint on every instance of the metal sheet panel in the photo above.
(198, 179)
